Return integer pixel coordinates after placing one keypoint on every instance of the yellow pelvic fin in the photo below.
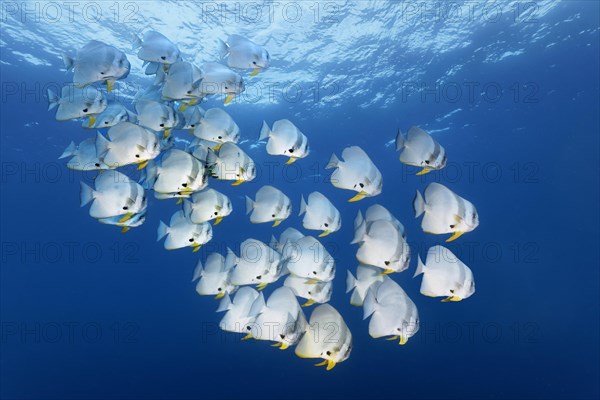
(291, 160)
(325, 233)
(248, 336)
(324, 362)
(392, 338)
(217, 147)
(190, 132)
(309, 303)
(330, 365)
(92, 119)
(179, 200)
(125, 229)
(220, 296)
(166, 67)
(218, 220)
(455, 236)
(386, 272)
(277, 222)
(403, 340)
(276, 345)
(183, 107)
(361, 195)
(255, 72)
(166, 133)
(109, 86)
(237, 183)
(451, 298)
(284, 346)
(311, 281)
(424, 171)
(143, 164)
(196, 248)
(261, 286)
(126, 217)
(228, 99)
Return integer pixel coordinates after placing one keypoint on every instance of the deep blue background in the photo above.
(531, 329)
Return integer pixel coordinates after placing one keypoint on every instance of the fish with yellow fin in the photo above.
(356, 172)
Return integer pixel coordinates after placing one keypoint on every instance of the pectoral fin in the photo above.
(361, 195)
(324, 362)
(309, 303)
(126, 218)
(455, 236)
(392, 338)
(276, 345)
(143, 164)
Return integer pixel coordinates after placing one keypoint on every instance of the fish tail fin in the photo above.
(350, 281)
(258, 305)
(222, 48)
(163, 230)
(249, 205)
(224, 304)
(302, 205)
(69, 151)
(198, 271)
(333, 162)
(399, 140)
(420, 267)
(136, 42)
(86, 194)
(187, 208)
(370, 304)
(211, 157)
(418, 204)
(68, 61)
(230, 259)
(102, 144)
(360, 232)
(265, 131)
(53, 99)
(274, 243)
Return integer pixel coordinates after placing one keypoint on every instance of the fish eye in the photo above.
(137, 156)
(163, 57)
(248, 327)
(101, 73)
(219, 137)
(105, 122)
(315, 272)
(162, 125)
(226, 88)
(193, 125)
(427, 162)
(362, 185)
(189, 92)
(259, 277)
(191, 240)
(216, 213)
(184, 184)
(85, 110)
(398, 329)
(328, 353)
(281, 335)
(125, 208)
(219, 289)
(97, 164)
(326, 224)
(273, 215)
(387, 263)
(291, 150)
(254, 62)
(451, 226)
(309, 292)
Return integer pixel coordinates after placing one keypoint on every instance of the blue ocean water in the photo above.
(511, 90)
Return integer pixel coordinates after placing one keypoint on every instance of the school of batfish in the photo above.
(143, 137)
